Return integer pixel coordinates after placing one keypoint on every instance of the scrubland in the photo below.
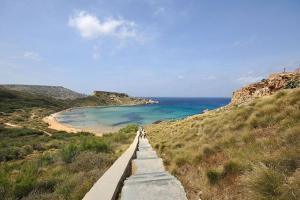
(249, 151)
(61, 166)
(40, 163)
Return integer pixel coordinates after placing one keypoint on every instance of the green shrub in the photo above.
(68, 153)
(46, 185)
(102, 146)
(125, 133)
(65, 188)
(26, 181)
(98, 145)
(213, 176)
(131, 128)
(232, 167)
(292, 84)
(5, 184)
(46, 159)
(17, 132)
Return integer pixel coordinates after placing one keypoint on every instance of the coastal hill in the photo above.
(56, 92)
(265, 87)
(101, 98)
(122, 98)
(42, 163)
(98, 98)
(24, 106)
(249, 149)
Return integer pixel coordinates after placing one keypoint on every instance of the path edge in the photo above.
(109, 185)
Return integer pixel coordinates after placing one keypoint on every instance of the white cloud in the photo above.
(31, 55)
(91, 27)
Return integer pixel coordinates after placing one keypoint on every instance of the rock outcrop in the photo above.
(273, 83)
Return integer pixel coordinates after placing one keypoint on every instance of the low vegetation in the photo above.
(246, 152)
(41, 163)
(61, 166)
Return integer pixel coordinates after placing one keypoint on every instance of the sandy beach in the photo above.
(56, 125)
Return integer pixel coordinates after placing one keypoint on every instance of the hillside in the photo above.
(56, 92)
(265, 87)
(243, 151)
(41, 163)
(26, 109)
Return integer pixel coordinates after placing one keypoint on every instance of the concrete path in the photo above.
(149, 180)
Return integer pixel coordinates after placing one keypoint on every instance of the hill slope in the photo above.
(249, 151)
(26, 109)
(57, 92)
(41, 163)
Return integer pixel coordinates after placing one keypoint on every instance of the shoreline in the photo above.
(53, 123)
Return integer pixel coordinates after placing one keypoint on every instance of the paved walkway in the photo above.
(149, 180)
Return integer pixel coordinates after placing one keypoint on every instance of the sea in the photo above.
(168, 108)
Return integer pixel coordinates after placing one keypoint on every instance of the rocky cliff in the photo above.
(273, 83)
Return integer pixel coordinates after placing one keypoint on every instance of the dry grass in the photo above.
(242, 152)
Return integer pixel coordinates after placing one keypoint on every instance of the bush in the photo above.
(288, 161)
(265, 183)
(46, 159)
(66, 187)
(26, 182)
(45, 186)
(292, 84)
(232, 167)
(131, 128)
(68, 153)
(102, 146)
(98, 145)
(213, 176)
(5, 184)
(125, 133)
(291, 191)
(180, 160)
(207, 151)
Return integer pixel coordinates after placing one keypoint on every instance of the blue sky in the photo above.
(148, 47)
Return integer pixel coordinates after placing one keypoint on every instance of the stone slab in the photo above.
(146, 154)
(149, 180)
(148, 165)
(154, 190)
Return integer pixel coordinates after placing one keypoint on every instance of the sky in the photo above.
(190, 48)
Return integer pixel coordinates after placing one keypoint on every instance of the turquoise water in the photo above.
(118, 116)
